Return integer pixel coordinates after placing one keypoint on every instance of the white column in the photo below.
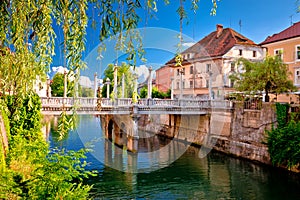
(172, 88)
(65, 83)
(107, 87)
(115, 81)
(150, 83)
(123, 85)
(95, 85)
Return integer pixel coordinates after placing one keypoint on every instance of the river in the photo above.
(216, 176)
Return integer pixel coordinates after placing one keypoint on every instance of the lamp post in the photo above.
(107, 87)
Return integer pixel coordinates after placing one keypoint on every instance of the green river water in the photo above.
(216, 176)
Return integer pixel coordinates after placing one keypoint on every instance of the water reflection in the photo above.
(215, 176)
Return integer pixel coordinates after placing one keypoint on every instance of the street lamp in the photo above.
(107, 87)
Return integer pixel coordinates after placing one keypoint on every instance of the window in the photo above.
(207, 83)
(183, 85)
(297, 76)
(191, 69)
(240, 52)
(298, 52)
(178, 86)
(232, 67)
(178, 72)
(254, 54)
(279, 53)
(208, 68)
(183, 71)
(191, 84)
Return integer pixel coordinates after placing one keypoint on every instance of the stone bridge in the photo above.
(103, 106)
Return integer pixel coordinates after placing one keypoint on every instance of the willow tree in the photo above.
(269, 76)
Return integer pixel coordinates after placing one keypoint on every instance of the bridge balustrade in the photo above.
(82, 104)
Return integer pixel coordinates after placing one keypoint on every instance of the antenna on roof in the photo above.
(291, 17)
(240, 24)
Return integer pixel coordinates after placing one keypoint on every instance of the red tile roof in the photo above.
(290, 32)
(217, 43)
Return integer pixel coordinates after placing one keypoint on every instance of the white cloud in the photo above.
(188, 44)
(59, 69)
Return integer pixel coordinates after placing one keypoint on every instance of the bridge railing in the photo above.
(68, 101)
(93, 103)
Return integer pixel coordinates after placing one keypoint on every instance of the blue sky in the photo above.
(259, 19)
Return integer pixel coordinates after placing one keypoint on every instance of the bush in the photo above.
(32, 171)
(284, 141)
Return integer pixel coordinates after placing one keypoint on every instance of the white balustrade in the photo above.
(126, 103)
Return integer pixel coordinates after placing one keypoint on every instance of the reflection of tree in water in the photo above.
(56, 137)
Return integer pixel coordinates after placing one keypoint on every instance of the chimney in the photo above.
(219, 29)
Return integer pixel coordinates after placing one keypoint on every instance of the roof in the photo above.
(216, 44)
(290, 32)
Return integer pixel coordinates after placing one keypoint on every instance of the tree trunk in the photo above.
(267, 98)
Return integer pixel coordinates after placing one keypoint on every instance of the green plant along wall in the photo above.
(284, 141)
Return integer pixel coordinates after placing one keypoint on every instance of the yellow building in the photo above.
(286, 44)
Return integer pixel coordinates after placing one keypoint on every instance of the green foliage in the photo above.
(282, 114)
(155, 93)
(128, 80)
(272, 73)
(31, 171)
(57, 86)
(284, 141)
(66, 123)
(24, 115)
(86, 92)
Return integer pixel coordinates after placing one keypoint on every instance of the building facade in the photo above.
(207, 65)
(164, 77)
(286, 44)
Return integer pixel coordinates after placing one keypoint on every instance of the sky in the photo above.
(258, 19)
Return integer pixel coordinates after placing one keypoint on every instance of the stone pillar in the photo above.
(133, 138)
(107, 87)
(115, 82)
(123, 85)
(95, 85)
(150, 83)
(172, 88)
(108, 153)
(132, 163)
(65, 83)
(210, 85)
(181, 84)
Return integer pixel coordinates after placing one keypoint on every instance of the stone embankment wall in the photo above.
(239, 132)
(244, 132)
